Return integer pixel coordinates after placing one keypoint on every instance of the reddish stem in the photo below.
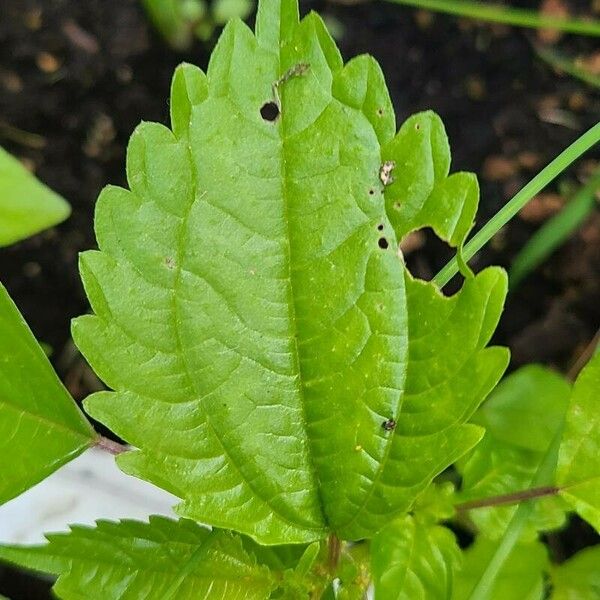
(110, 446)
(511, 498)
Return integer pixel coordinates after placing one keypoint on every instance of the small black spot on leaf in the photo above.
(389, 424)
(269, 111)
(383, 243)
(371, 192)
(380, 227)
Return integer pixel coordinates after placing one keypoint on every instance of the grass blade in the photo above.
(507, 15)
(568, 156)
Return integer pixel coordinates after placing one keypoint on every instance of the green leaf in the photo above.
(251, 311)
(27, 206)
(578, 577)
(521, 418)
(422, 194)
(412, 560)
(41, 428)
(521, 577)
(163, 559)
(578, 473)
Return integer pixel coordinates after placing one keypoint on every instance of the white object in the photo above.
(87, 489)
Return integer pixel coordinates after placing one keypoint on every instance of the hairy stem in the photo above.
(335, 550)
(110, 446)
(512, 498)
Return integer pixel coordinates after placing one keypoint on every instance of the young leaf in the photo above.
(521, 577)
(27, 206)
(162, 560)
(250, 309)
(578, 474)
(413, 560)
(578, 577)
(521, 418)
(41, 428)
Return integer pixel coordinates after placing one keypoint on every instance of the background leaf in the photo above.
(521, 417)
(578, 577)
(578, 471)
(41, 428)
(413, 560)
(27, 206)
(162, 560)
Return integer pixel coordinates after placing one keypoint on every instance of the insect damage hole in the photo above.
(380, 227)
(383, 243)
(269, 111)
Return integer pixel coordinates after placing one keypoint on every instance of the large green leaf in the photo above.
(251, 311)
(578, 578)
(26, 205)
(578, 472)
(41, 428)
(413, 560)
(521, 418)
(162, 560)
(520, 578)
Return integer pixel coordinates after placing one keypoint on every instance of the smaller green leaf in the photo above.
(421, 193)
(521, 577)
(41, 428)
(521, 418)
(579, 577)
(162, 560)
(27, 206)
(578, 472)
(413, 560)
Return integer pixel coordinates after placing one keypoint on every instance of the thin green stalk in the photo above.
(507, 15)
(544, 474)
(509, 210)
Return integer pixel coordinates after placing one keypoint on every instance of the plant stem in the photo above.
(335, 551)
(512, 498)
(507, 15)
(511, 208)
(110, 446)
(484, 586)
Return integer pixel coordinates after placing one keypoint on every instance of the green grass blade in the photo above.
(506, 213)
(507, 15)
(561, 62)
(554, 232)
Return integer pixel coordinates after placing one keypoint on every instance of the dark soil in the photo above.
(81, 75)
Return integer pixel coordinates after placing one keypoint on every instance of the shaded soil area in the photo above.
(77, 77)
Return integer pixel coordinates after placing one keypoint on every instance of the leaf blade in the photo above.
(26, 205)
(39, 422)
(160, 559)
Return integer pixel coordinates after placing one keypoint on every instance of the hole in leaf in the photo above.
(269, 111)
(380, 227)
(380, 112)
(371, 192)
(383, 243)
